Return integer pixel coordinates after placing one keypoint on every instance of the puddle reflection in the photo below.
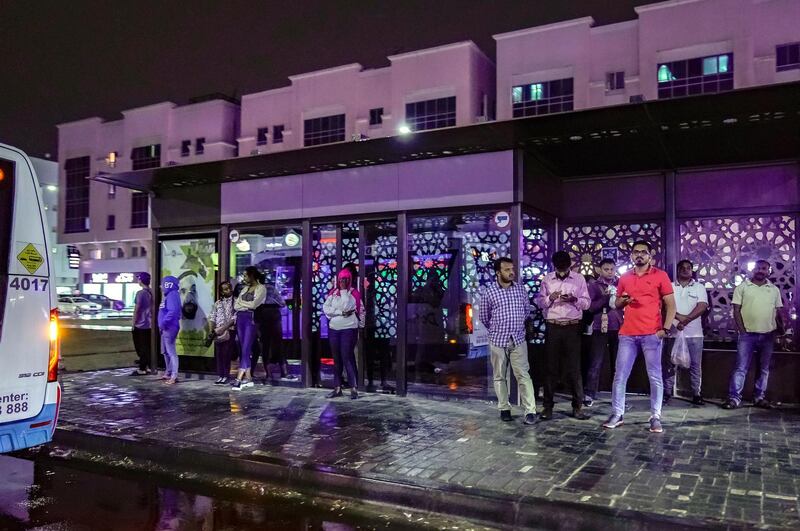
(40, 493)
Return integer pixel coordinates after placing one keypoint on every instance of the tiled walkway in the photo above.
(732, 467)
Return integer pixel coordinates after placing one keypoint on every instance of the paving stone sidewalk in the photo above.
(739, 468)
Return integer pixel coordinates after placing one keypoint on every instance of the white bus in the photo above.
(30, 394)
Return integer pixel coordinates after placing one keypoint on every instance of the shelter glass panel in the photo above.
(450, 260)
(277, 254)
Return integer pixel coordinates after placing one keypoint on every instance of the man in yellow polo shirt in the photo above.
(756, 308)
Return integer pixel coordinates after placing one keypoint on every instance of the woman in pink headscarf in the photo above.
(345, 313)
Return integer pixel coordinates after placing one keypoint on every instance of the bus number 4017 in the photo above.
(26, 284)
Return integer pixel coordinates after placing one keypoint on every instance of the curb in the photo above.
(475, 504)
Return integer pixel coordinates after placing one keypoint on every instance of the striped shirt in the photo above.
(503, 312)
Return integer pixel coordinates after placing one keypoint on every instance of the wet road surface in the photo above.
(40, 493)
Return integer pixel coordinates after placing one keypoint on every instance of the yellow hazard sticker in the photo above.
(30, 258)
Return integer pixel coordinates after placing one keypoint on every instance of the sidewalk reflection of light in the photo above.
(236, 407)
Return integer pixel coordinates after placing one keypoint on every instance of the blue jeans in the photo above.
(695, 345)
(246, 332)
(170, 353)
(748, 344)
(626, 354)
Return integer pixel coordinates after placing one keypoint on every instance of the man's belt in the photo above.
(563, 323)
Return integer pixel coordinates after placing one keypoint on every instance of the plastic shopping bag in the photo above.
(680, 351)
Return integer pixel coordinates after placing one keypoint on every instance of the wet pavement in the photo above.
(41, 493)
(710, 467)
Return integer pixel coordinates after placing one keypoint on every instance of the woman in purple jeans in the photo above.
(251, 297)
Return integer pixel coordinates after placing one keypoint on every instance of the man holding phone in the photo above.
(641, 292)
(563, 297)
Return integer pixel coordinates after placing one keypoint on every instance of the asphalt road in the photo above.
(96, 343)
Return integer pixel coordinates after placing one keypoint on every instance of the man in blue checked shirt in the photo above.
(504, 307)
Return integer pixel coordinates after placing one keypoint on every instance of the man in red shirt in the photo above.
(641, 293)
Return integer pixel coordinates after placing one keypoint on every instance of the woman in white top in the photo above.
(345, 314)
(250, 298)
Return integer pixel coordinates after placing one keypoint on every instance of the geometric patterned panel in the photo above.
(534, 266)
(350, 243)
(323, 270)
(480, 250)
(385, 284)
(589, 244)
(723, 250)
(433, 246)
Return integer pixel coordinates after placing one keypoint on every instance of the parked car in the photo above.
(104, 302)
(77, 306)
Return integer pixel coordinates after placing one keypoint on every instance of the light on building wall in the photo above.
(52, 187)
(404, 129)
(111, 159)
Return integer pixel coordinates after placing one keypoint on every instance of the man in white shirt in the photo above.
(691, 301)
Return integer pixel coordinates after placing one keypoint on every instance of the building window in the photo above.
(76, 217)
(134, 251)
(73, 257)
(111, 222)
(546, 97)
(112, 191)
(431, 114)
(324, 130)
(186, 148)
(142, 251)
(261, 136)
(787, 57)
(376, 116)
(117, 252)
(200, 146)
(700, 75)
(96, 254)
(140, 204)
(615, 81)
(277, 134)
(145, 157)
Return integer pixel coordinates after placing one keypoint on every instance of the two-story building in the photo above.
(673, 49)
(446, 86)
(110, 226)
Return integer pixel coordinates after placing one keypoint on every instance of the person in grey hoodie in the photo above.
(142, 315)
(169, 317)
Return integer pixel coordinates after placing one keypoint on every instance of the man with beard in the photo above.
(641, 292)
(193, 319)
(756, 304)
(504, 307)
